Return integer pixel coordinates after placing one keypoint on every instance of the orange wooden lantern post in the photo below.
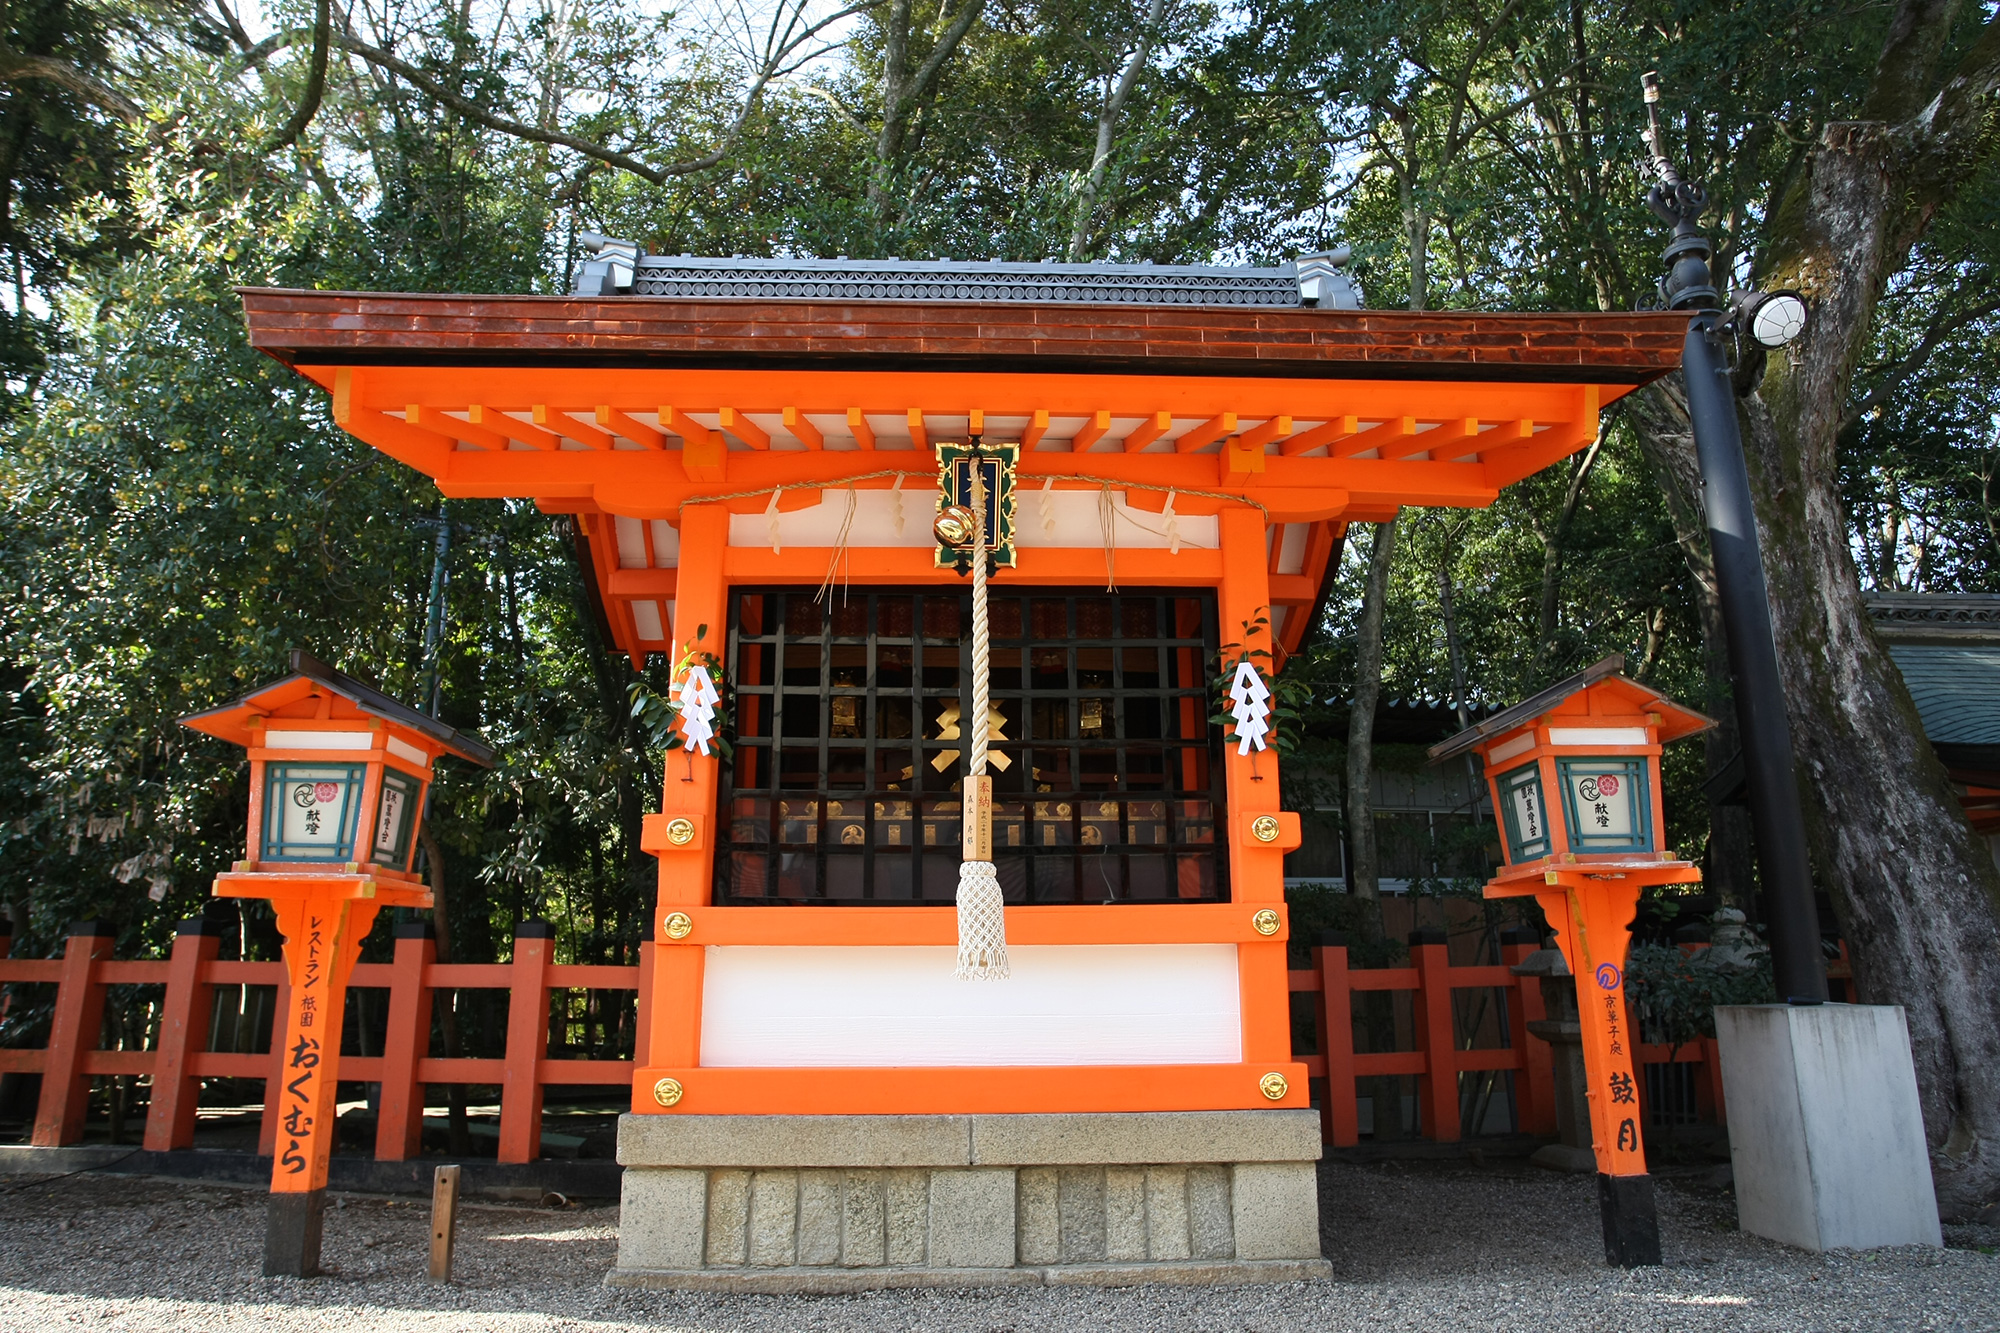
(338, 777)
(1574, 775)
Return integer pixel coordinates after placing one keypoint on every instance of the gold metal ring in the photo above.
(680, 832)
(668, 1091)
(1272, 1085)
(1264, 828)
(679, 926)
(1266, 922)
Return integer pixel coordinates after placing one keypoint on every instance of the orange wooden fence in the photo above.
(178, 1062)
(1438, 1053)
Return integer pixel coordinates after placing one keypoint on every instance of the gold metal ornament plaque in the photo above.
(1272, 1085)
(679, 926)
(668, 1091)
(680, 832)
(1266, 922)
(1264, 828)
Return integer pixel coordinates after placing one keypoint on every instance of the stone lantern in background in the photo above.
(338, 776)
(1574, 774)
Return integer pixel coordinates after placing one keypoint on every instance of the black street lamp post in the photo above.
(1772, 319)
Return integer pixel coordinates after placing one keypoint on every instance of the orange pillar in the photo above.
(1257, 863)
(672, 1027)
(323, 934)
(184, 1017)
(77, 1027)
(399, 1123)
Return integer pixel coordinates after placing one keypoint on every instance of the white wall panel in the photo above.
(870, 1007)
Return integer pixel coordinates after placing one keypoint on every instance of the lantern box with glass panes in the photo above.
(338, 773)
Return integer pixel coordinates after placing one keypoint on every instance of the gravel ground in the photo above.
(1413, 1245)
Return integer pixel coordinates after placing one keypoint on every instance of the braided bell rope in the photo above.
(982, 919)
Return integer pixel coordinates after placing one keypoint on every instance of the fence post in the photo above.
(1708, 1088)
(1535, 1080)
(399, 1118)
(527, 1043)
(1340, 1116)
(185, 1012)
(281, 1004)
(1437, 1086)
(77, 1027)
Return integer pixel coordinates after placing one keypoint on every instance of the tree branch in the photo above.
(17, 67)
(1941, 327)
(315, 82)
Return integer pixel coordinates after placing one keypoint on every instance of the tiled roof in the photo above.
(619, 269)
(1956, 687)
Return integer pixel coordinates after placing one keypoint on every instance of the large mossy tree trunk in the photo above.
(1917, 894)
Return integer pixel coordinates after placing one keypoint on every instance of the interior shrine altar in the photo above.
(1166, 463)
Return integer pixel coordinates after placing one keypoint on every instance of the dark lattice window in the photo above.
(850, 726)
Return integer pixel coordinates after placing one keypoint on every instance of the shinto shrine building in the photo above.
(752, 446)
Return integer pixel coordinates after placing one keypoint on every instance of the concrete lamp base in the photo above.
(1826, 1135)
(786, 1203)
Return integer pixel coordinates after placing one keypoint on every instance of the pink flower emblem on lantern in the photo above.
(1607, 785)
(326, 791)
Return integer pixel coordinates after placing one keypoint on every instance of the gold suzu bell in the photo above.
(955, 526)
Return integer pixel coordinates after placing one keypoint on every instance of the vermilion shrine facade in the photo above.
(745, 454)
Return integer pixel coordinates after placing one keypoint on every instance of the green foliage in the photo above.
(1675, 993)
(176, 511)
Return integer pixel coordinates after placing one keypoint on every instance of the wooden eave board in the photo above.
(353, 328)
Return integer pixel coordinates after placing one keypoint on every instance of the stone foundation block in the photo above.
(849, 1203)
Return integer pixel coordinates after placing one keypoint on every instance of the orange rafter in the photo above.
(918, 436)
(570, 429)
(1093, 431)
(975, 421)
(1438, 437)
(1038, 426)
(430, 419)
(804, 431)
(1257, 437)
(1208, 432)
(744, 429)
(636, 431)
(500, 422)
(857, 423)
(1328, 432)
(1152, 428)
(1389, 433)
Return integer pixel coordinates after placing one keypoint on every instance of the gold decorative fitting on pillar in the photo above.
(1272, 1085)
(1266, 922)
(668, 1091)
(1264, 828)
(680, 832)
(679, 926)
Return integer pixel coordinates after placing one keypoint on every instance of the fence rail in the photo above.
(1438, 1051)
